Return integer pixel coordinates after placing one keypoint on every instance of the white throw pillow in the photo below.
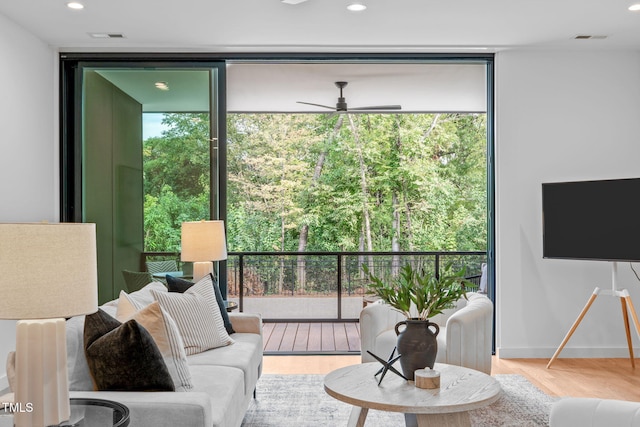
(144, 296)
(11, 370)
(77, 367)
(197, 315)
(165, 334)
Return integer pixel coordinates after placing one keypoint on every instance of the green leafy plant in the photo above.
(418, 292)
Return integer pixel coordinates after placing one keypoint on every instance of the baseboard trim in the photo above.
(568, 352)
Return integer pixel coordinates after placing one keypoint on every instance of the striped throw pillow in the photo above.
(197, 316)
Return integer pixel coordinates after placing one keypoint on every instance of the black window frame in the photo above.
(71, 120)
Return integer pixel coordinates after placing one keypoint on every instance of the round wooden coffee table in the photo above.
(461, 389)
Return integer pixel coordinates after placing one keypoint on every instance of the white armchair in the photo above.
(580, 412)
(465, 338)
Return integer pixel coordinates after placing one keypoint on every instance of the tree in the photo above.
(180, 157)
(308, 182)
(176, 179)
(317, 172)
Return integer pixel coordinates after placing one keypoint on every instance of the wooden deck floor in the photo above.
(311, 338)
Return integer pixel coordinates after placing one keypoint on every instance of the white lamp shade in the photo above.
(47, 270)
(203, 241)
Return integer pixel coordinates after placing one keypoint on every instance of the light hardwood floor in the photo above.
(604, 378)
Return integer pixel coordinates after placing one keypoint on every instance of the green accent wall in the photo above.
(113, 192)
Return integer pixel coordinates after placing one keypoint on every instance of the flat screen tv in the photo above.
(592, 220)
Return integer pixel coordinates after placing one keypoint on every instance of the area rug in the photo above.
(300, 401)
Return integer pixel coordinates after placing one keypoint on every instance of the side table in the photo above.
(231, 305)
(86, 413)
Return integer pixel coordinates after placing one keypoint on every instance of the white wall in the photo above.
(28, 143)
(560, 116)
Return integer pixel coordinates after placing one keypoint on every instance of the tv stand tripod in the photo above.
(627, 306)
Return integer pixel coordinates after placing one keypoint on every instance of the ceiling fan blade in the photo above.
(316, 105)
(379, 107)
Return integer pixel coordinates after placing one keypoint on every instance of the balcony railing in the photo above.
(321, 286)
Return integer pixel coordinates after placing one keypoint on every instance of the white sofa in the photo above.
(465, 337)
(586, 412)
(224, 380)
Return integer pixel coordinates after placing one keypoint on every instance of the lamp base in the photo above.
(201, 269)
(42, 385)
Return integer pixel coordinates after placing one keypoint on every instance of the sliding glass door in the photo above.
(141, 158)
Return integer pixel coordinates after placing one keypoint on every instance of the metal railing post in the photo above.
(339, 258)
(241, 282)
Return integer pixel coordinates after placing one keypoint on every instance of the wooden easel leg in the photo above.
(625, 317)
(634, 316)
(573, 328)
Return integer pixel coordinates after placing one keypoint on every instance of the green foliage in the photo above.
(176, 179)
(164, 215)
(425, 177)
(417, 293)
(180, 158)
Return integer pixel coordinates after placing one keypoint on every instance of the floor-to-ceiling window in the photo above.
(330, 160)
(173, 171)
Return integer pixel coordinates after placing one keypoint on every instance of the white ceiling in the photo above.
(276, 87)
(416, 87)
(188, 89)
(326, 25)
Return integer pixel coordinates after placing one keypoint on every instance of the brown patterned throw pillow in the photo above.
(123, 356)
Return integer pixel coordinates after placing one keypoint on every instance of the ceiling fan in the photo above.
(341, 105)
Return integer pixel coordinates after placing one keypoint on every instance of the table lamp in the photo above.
(203, 242)
(48, 272)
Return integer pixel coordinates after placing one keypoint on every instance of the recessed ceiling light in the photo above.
(162, 85)
(356, 7)
(75, 5)
(634, 7)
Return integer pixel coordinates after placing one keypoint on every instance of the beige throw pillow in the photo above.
(165, 333)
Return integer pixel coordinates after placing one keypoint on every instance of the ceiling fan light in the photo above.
(356, 7)
(634, 7)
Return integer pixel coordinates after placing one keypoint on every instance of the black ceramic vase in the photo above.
(417, 345)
